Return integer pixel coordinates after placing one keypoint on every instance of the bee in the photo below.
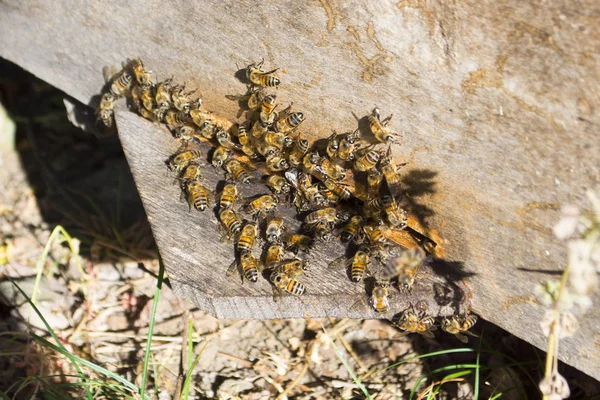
(375, 234)
(163, 94)
(146, 97)
(367, 161)
(250, 151)
(224, 139)
(284, 283)
(220, 156)
(298, 242)
(262, 204)
(278, 139)
(249, 267)
(268, 104)
(339, 189)
(289, 123)
(274, 254)
(328, 215)
(181, 160)
(352, 228)
(311, 165)
(322, 230)
(274, 229)
(197, 195)
(333, 145)
(406, 267)
(266, 150)
(332, 170)
(231, 221)
(330, 197)
(395, 215)
(459, 325)
(277, 163)
(202, 118)
(374, 179)
(186, 134)
(181, 100)
(105, 111)
(348, 146)
(258, 130)
(242, 135)
(237, 171)
(228, 196)
(379, 296)
(379, 127)
(254, 98)
(121, 84)
(390, 172)
(260, 78)
(413, 321)
(247, 238)
(190, 173)
(292, 267)
(299, 149)
(154, 115)
(174, 117)
(360, 261)
(143, 77)
(278, 184)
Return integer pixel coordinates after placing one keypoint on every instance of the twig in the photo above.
(351, 352)
(241, 361)
(428, 388)
(293, 383)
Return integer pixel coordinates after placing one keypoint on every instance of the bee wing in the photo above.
(462, 338)
(470, 333)
(233, 268)
(342, 261)
(403, 333)
(427, 334)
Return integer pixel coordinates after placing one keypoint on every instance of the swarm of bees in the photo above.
(313, 178)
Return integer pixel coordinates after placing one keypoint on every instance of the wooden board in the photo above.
(498, 101)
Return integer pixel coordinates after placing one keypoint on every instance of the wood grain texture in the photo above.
(498, 99)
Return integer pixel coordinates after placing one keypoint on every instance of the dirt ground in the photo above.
(54, 173)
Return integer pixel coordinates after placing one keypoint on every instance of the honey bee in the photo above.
(379, 296)
(277, 163)
(173, 117)
(228, 196)
(360, 261)
(390, 172)
(197, 195)
(250, 151)
(348, 146)
(375, 234)
(258, 130)
(154, 115)
(190, 173)
(284, 283)
(185, 133)
(163, 94)
(247, 238)
(299, 149)
(237, 171)
(142, 76)
(231, 221)
(329, 215)
(367, 161)
(353, 228)
(289, 123)
(266, 150)
(278, 184)
(121, 84)
(220, 156)
(249, 267)
(105, 111)
(298, 242)
(202, 118)
(330, 197)
(322, 230)
(395, 215)
(260, 78)
(224, 139)
(333, 145)
(278, 139)
(262, 205)
(274, 254)
(268, 104)
(181, 160)
(339, 189)
(274, 230)
(242, 135)
(406, 267)
(146, 97)
(379, 127)
(459, 325)
(292, 267)
(415, 321)
(332, 170)
(254, 98)
(181, 100)
(374, 179)
(311, 165)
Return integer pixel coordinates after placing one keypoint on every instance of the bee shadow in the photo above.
(449, 292)
(241, 75)
(418, 183)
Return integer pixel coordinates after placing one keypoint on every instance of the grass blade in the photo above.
(161, 272)
(185, 392)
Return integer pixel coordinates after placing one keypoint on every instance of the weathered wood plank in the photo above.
(499, 100)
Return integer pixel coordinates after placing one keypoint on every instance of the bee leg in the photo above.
(385, 121)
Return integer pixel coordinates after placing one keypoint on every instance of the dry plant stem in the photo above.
(351, 352)
(241, 361)
(184, 355)
(428, 388)
(552, 355)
